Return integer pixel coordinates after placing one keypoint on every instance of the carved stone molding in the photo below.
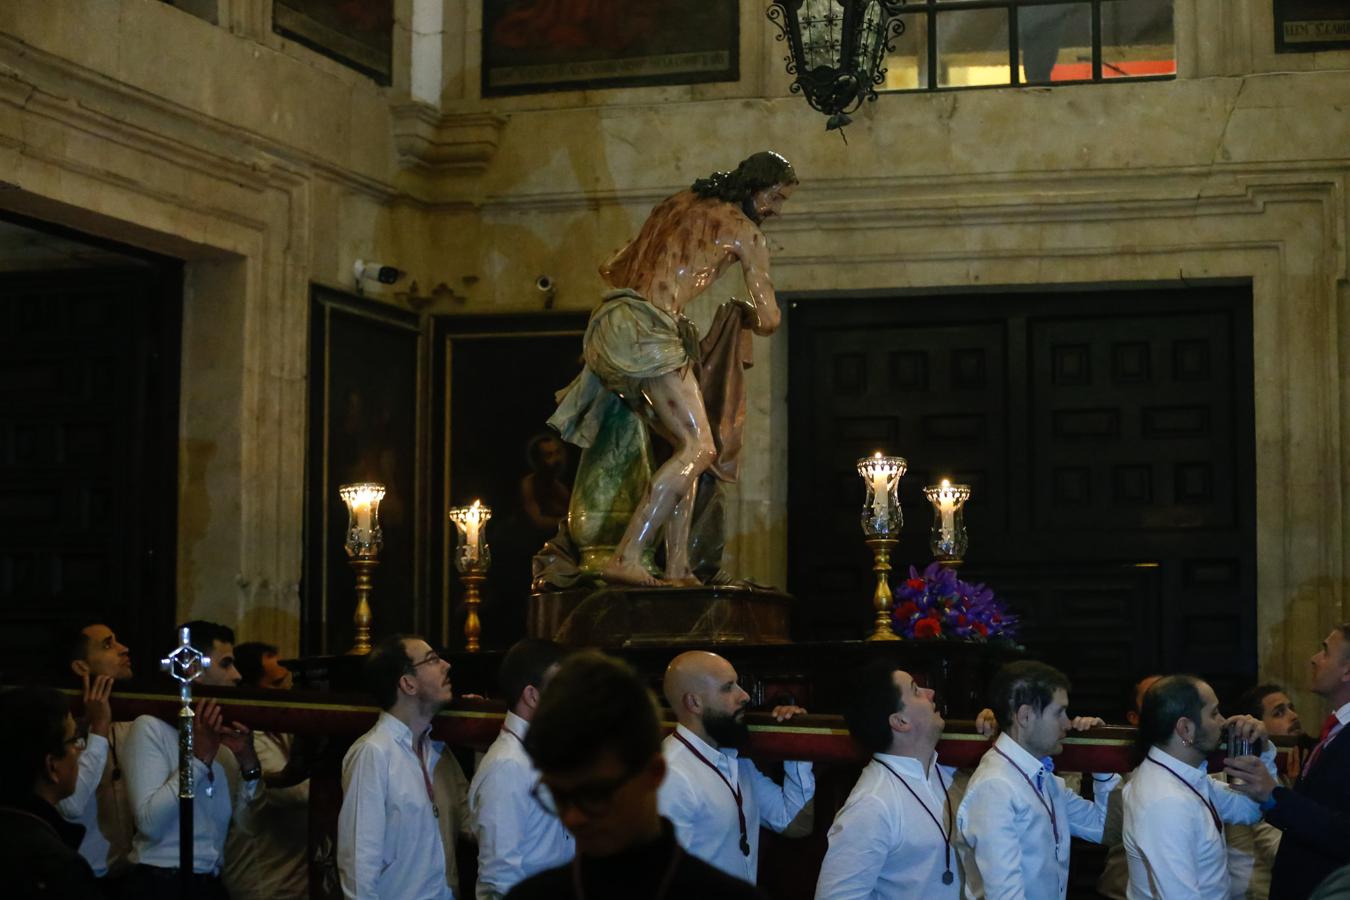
(430, 140)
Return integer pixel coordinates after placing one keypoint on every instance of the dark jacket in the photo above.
(39, 857)
(636, 874)
(1315, 817)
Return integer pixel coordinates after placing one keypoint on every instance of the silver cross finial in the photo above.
(185, 664)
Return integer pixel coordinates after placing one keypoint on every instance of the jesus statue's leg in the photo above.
(678, 405)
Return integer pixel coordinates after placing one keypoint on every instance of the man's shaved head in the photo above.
(702, 689)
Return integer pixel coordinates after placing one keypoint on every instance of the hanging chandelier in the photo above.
(837, 50)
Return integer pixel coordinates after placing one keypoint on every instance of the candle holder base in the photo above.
(473, 628)
(362, 618)
(881, 597)
(950, 563)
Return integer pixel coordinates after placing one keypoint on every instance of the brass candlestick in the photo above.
(363, 543)
(881, 597)
(362, 618)
(881, 524)
(473, 628)
(472, 558)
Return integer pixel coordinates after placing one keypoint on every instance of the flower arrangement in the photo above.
(937, 604)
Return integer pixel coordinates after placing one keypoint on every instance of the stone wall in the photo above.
(269, 168)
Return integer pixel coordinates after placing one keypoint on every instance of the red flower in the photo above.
(906, 611)
(932, 612)
(982, 629)
(962, 619)
(927, 628)
(914, 584)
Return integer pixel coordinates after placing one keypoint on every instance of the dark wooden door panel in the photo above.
(1109, 442)
(88, 414)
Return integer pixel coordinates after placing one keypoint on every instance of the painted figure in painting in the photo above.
(640, 347)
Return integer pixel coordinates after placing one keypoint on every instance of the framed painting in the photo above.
(365, 424)
(1307, 26)
(530, 46)
(356, 33)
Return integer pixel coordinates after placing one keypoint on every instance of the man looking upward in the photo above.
(716, 800)
(402, 793)
(893, 836)
(639, 346)
(99, 803)
(1017, 816)
(1315, 813)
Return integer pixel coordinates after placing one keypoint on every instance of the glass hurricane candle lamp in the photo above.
(948, 539)
(363, 543)
(472, 558)
(881, 523)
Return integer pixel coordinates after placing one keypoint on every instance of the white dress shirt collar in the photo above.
(906, 765)
(1196, 776)
(516, 725)
(398, 729)
(708, 750)
(1343, 714)
(1020, 757)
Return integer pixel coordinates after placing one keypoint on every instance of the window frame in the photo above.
(932, 9)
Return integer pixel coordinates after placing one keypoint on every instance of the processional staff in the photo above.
(185, 665)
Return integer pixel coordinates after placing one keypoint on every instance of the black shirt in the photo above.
(636, 874)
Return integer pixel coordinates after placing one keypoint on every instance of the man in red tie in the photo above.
(1315, 813)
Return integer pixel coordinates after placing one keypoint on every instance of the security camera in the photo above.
(543, 284)
(376, 272)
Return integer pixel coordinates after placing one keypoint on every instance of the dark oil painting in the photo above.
(553, 45)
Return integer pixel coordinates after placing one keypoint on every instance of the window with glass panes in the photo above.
(948, 44)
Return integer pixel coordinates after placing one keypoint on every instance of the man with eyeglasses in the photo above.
(403, 795)
(95, 656)
(39, 767)
(716, 800)
(596, 741)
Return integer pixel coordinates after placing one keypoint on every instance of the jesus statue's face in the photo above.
(769, 201)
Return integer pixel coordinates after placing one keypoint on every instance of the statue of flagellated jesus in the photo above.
(639, 346)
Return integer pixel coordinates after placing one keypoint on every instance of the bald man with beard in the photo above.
(715, 799)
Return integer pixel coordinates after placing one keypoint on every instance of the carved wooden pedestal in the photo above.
(667, 616)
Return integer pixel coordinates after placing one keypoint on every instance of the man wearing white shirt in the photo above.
(716, 800)
(100, 803)
(893, 836)
(227, 777)
(516, 836)
(403, 795)
(1174, 812)
(1315, 813)
(1017, 817)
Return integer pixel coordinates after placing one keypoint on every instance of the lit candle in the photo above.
(472, 522)
(363, 507)
(947, 504)
(881, 490)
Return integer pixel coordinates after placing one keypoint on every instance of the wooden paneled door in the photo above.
(88, 447)
(1108, 438)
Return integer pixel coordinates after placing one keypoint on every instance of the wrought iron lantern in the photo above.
(838, 48)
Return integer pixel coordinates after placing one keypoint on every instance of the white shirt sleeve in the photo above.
(503, 807)
(151, 770)
(1239, 809)
(1087, 818)
(1165, 834)
(92, 762)
(679, 801)
(778, 806)
(361, 822)
(860, 842)
(988, 822)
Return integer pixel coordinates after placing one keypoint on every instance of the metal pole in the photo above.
(185, 665)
